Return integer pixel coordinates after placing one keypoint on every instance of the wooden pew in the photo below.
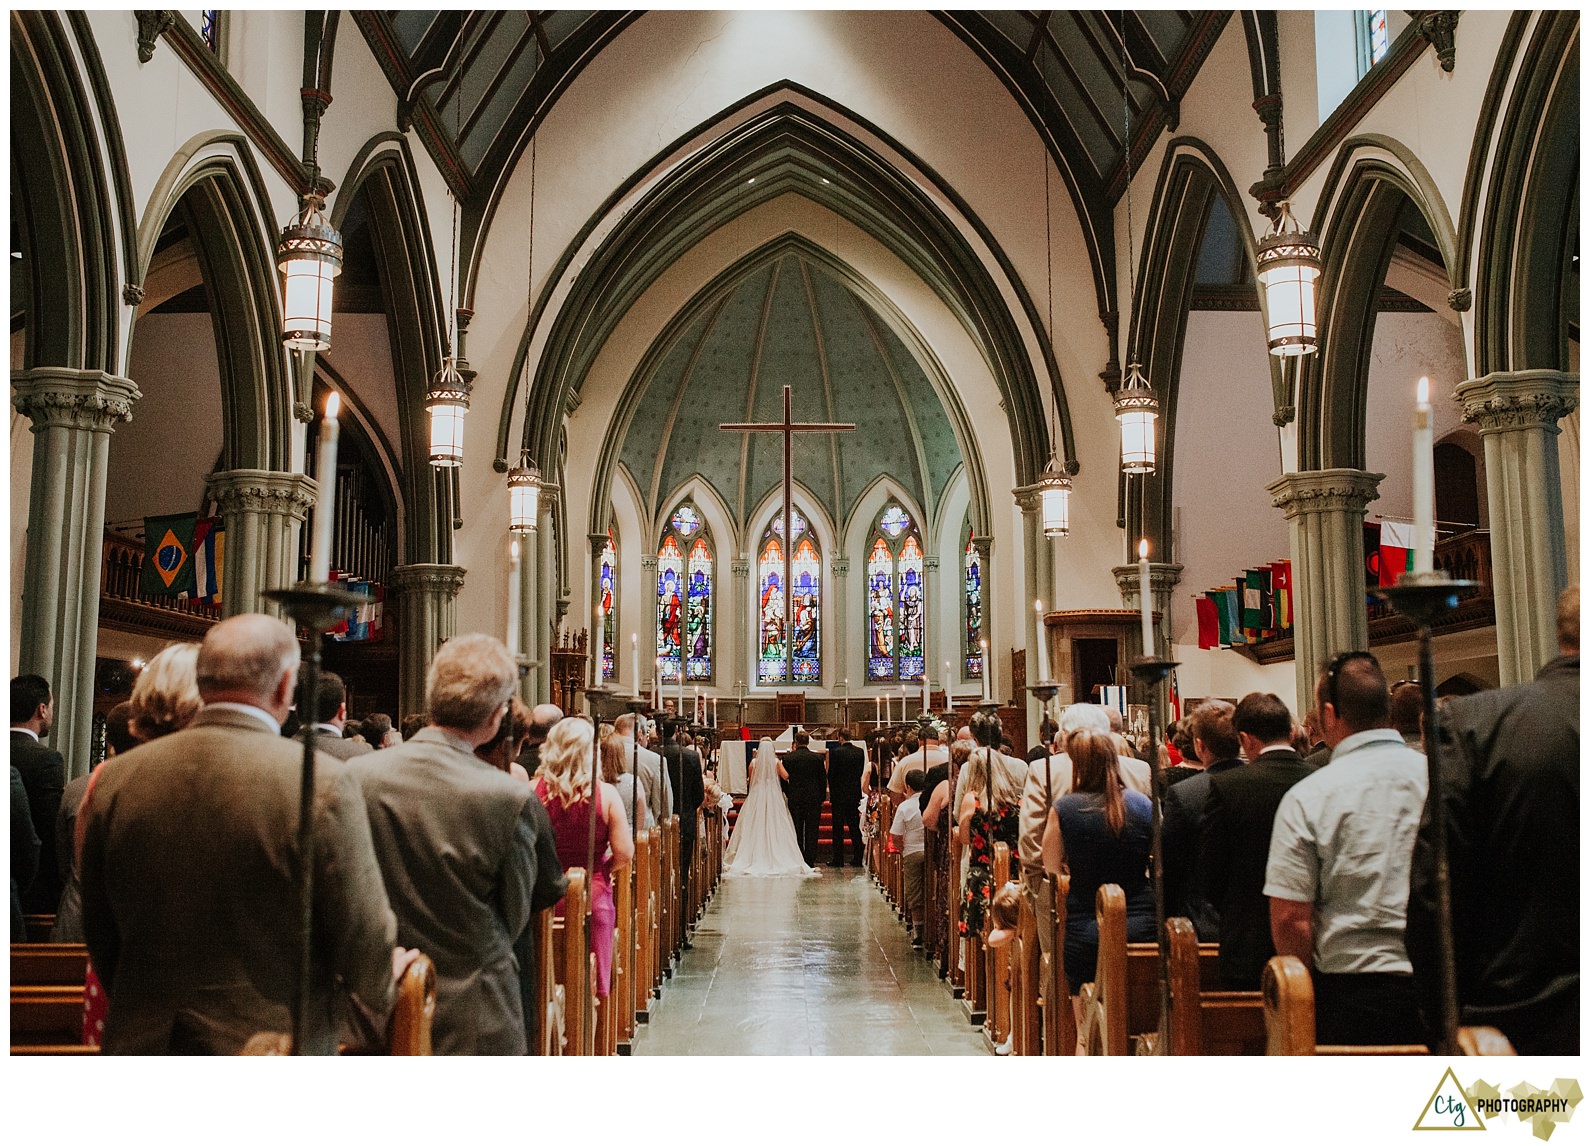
(413, 1009)
(996, 960)
(1123, 999)
(49, 964)
(47, 998)
(573, 968)
(640, 992)
(38, 927)
(1204, 1021)
(1288, 992)
(1059, 1020)
(621, 1008)
(1026, 987)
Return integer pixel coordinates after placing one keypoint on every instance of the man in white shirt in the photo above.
(906, 834)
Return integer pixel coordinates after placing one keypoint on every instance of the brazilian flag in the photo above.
(168, 554)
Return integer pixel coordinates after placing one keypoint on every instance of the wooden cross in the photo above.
(789, 429)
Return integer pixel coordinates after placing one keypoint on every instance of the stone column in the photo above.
(1163, 577)
(263, 511)
(742, 660)
(932, 607)
(648, 626)
(73, 413)
(1325, 522)
(839, 631)
(1517, 415)
(427, 617)
(522, 582)
(1037, 552)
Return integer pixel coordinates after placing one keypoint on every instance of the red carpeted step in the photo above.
(825, 826)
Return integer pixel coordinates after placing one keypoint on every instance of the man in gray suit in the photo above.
(457, 845)
(190, 905)
(331, 714)
(654, 782)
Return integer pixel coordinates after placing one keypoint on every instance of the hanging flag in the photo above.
(1113, 696)
(1173, 698)
(1281, 581)
(168, 554)
(1231, 610)
(207, 543)
(1258, 614)
(1371, 555)
(1208, 621)
(1396, 550)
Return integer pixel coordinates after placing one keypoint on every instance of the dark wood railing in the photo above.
(122, 605)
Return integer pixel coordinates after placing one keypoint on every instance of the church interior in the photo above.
(1022, 276)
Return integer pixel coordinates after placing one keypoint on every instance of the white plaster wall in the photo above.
(1227, 673)
(159, 460)
(361, 354)
(1226, 450)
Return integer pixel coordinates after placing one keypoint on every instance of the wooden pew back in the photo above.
(414, 1009)
(1205, 1021)
(1123, 999)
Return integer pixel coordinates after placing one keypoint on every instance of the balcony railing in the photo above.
(123, 606)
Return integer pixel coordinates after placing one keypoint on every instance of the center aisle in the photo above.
(794, 966)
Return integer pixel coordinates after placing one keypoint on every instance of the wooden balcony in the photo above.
(124, 608)
(1464, 557)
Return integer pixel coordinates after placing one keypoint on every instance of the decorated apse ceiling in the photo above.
(792, 322)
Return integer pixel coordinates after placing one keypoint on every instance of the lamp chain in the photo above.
(1126, 167)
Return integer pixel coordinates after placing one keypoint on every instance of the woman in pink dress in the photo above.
(563, 782)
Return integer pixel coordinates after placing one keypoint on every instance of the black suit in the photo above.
(1181, 831)
(44, 777)
(1239, 815)
(808, 786)
(1510, 783)
(683, 767)
(846, 763)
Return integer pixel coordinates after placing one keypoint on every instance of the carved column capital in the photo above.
(839, 566)
(598, 543)
(738, 567)
(1461, 299)
(648, 563)
(931, 562)
(984, 546)
(1440, 30)
(444, 580)
(1322, 491)
(1029, 499)
(1519, 400)
(56, 397)
(1163, 577)
(262, 491)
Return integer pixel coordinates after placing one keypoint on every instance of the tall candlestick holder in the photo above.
(1044, 692)
(315, 606)
(1425, 597)
(1152, 672)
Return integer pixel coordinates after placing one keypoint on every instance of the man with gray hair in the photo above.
(190, 905)
(645, 764)
(457, 844)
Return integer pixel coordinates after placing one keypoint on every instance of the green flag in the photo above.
(168, 554)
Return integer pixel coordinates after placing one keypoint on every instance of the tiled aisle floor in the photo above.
(805, 966)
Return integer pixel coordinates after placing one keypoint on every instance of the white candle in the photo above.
(877, 711)
(1423, 481)
(927, 695)
(634, 660)
(513, 597)
(1043, 642)
(988, 688)
(714, 712)
(656, 685)
(695, 707)
(1145, 598)
(325, 494)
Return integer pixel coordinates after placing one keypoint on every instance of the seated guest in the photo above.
(502, 750)
(1238, 817)
(564, 786)
(457, 843)
(197, 944)
(1100, 832)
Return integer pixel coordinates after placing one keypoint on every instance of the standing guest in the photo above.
(1407, 713)
(24, 854)
(43, 774)
(334, 735)
(457, 842)
(683, 765)
(119, 738)
(931, 752)
(1183, 753)
(1047, 730)
(564, 786)
(990, 785)
(1101, 833)
(910, 841)
(630, 794)
(648, 766)
(197, 944)
(378, 731)
(808, 787)
(1319, 753)
(1182, 816)
(542, 718)
(412, 723)
(1048, 778)
(1238, 817)
(502, 750)
(1510, 787)
(846, 765)
(1340, 854)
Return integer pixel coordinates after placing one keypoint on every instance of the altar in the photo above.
(734, 757)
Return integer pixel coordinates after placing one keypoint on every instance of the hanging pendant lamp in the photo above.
(1137, 410)
(1288, 265)
(524, 495)
(447, 400)
(309, 255)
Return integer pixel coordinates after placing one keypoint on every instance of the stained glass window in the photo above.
(775, 663)
(896, 600)
(607, 588)
(685, 597)
(972, 570)
(770, 660)
(210, 28)
(698, 622)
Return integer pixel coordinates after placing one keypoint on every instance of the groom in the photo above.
(808, 785)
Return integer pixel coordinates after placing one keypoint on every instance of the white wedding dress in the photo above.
(764, 840)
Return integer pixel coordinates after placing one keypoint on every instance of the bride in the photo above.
(764, 840)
